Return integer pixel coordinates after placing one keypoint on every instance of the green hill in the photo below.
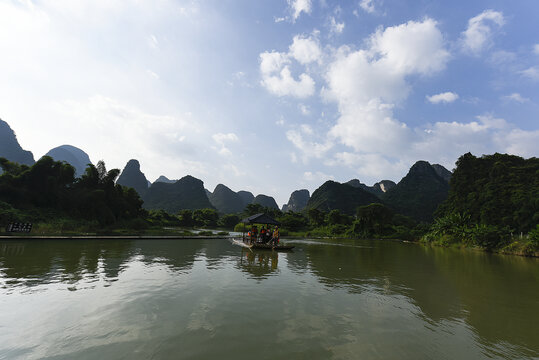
(266, 201)
(226, 201)
(333, 195)
(419, 193)
(72, 155)
(10, 148)
(499, 189)
(186, 193)
(132, 177)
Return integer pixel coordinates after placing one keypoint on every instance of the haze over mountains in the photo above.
(10, 148)
(72, 155)
(417, 195)
(131, 176)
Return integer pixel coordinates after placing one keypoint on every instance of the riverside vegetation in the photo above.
(492, 204)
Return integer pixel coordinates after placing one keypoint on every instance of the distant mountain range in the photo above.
(420, 192)
(131, 176)
(186, 193)
(164, 179)
(417, 195)
(377, 189)
(226, 201)
(266, 201)
(10, 148)
(336, 196)
(298, 201)
(72, 155)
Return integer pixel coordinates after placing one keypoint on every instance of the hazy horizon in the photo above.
(271, 96)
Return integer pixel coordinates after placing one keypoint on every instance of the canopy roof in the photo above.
(260, 219)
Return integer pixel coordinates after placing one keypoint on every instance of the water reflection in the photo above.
(30, 263)
(494, 295)
(486, 299)
(258, 264)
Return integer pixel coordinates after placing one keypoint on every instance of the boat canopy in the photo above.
(261, 218)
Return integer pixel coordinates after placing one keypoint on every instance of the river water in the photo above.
(211, 299)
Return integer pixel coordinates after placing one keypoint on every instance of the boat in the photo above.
(262, 219)
(259, 246)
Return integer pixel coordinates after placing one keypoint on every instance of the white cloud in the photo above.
(116, 131)
(304, 109)
(279, 19)
(515, 97)
(448, 140)
(317, 177)
(284, 84)
(308, 148)
(446, 97)
(299, 6)
(305, 49)
(502, 57)
(367, 6)
(478, 35)
(375, 165)
(152, 74)
(531, 73)
(520, 142)
(336, 27)
(222, 139)
(307, 129)
(271, 62)
(276, 75)
(153, 42)
(536, 49)
(366, 84)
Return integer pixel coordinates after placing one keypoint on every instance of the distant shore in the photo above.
(110, 237)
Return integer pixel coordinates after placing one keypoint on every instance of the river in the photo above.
(211, 299)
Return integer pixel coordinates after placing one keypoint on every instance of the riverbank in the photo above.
(518, 247)
(112, 237)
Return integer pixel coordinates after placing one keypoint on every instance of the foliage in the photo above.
(458, 228)
(241, 227)
(50, 185)
(205, 217)
(533, 237)
(253, 209)
(293, 221)
(316, 217)
(500, 190)
(228, 221)
(373, 219)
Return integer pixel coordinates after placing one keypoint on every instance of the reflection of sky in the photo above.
(201, 300)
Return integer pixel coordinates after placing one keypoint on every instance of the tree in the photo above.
(316, 217)
(229, 221)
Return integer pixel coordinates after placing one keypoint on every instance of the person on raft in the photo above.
(263, 234)
(275, 238)
(253, 234)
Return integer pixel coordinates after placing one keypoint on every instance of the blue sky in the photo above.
(272, 96)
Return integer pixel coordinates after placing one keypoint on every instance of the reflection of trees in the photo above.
(258, 264)
(180, 255)
(36, 262)
(387, 267)
(495, 295)
(499, 293)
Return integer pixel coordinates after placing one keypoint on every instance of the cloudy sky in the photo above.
(272, 95)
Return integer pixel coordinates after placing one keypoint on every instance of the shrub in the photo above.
(533, 236)
(489, 237)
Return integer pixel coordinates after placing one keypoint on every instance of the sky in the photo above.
(272, 96)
